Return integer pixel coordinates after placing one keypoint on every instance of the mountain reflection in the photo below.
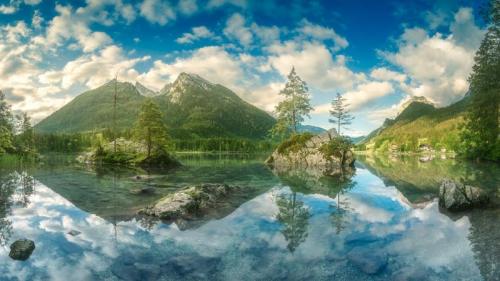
(321, 220)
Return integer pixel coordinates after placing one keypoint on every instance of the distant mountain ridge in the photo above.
(192, 107)
(420, 123)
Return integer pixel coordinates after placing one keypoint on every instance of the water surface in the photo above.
(295, 226)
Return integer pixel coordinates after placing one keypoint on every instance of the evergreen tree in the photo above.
(150, 127)
(339, 112)
(296, 105)
(26, 138)
(5, 125)
(295, 219)
(481, 134)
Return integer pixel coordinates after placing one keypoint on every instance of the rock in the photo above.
(455, 196)
(308, 155)
(146, 190)
(187, 202)
(368, 260)
(74, 232)
(21, 249)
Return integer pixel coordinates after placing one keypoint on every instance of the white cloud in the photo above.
(97, 69)
(197, 33)
(383, 73)
(236, 29)
(267, 34)
(315, 64)
(188, 7)
(219, 3)
(37, 20)
(7, 9)
(318, 32)
(437, 66)
(367, 92)
(213, 63)
(157, 11)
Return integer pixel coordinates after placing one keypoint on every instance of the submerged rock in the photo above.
(21, 249)
(146, 190)
(74, 232)
(190, 201)
(304, 152)
(455, 196)
(368, 260)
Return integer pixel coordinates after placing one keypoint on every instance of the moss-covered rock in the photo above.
(129, 153)
(306, 151)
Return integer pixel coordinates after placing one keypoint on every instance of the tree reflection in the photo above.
(295, 219)
(342, 207)
(484, 236)
(15, 188)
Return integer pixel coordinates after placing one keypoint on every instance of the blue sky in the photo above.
(378, 54)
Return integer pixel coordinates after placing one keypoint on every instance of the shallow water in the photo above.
(288, 227)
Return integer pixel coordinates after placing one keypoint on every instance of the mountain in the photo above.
(310, 129)
(420, 123)
(192, 107)
(143, 90)
(357, 140)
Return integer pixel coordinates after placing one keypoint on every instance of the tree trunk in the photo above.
(148, 141)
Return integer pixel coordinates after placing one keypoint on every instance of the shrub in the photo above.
(294, 143)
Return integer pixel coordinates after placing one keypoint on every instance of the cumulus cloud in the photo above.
(96, 69)
(438, 66)
(236, 29)
(315, 64)
(385, 74)
(213, 63)
(188, 7)
(318, 32)
(157, 11)
(197, 33)
(219, 3)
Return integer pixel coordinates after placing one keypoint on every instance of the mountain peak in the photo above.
(145, 91)
(186, 81)
(416, 99)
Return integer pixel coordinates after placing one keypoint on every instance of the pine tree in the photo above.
(339, 112)
(481, 134)
(26, 136)
(296, 105)
(5, 125)
(150, 127)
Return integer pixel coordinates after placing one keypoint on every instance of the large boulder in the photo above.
(455, 196)
(21, 249)
(305, 153)
(190, 201)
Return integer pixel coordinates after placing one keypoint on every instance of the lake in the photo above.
(381, 222)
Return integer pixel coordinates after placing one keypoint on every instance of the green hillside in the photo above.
(192, 107)
(420, 124)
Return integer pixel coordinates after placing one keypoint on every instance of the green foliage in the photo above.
(337, 147)
(420, 123)
(5, 125)
(481, 133)
(24, 142)
(294, 143)
(294, 216)
(296, 105)
(340, 113)
(222, 145)
(150, 128)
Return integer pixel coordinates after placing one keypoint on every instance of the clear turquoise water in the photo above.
(292, 227)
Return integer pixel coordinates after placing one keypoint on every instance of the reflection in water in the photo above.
(15, 190)
(294, 217)
(296, 227)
